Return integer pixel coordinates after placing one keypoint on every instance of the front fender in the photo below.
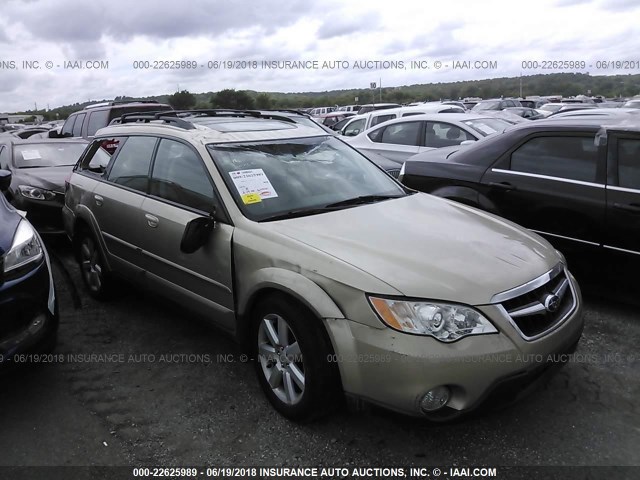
(292, 283)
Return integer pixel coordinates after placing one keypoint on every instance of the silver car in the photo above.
(404, 137)
(336, 277)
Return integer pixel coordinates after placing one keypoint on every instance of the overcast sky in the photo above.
(122, 32)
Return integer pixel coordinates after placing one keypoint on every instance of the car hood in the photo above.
(51, 178)
(427, 247)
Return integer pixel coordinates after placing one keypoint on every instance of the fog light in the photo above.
(435, 399)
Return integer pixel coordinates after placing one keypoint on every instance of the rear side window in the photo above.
(131, 166)
(97, 120)
(629, 163)
(180, 176)
(381, 118)
(77, 127)
(573, 158)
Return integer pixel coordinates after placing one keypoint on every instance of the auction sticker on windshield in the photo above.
(251, 184)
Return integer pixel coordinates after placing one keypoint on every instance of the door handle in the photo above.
(98, 200)
(502, 186)
(630, 207)
(152, 220)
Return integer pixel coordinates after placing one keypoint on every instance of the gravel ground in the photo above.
(160, 392)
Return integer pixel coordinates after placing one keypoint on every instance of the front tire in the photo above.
(293, 359)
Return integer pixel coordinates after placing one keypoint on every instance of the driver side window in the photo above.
(180, 176)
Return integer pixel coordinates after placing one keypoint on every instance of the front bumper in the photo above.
(29, 316)
(396, 370)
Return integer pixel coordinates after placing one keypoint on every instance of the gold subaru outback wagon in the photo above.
(339, 279)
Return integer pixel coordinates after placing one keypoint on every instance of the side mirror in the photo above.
(196, 233)
(53, 133)
(468, 142)
(5, 180)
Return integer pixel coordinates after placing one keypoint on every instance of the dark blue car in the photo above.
(28, 306)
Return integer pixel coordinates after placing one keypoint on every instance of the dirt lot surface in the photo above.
(141, 383)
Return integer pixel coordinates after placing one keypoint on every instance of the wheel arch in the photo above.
(278, 281)
(84, 220)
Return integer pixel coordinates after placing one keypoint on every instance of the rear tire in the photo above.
(92, 266)
(293, 359)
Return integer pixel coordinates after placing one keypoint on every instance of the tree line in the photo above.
(565, 84)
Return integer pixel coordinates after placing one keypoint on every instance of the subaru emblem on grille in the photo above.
(551, 302)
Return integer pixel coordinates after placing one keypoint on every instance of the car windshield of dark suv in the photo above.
(56, 154)
(291, 178)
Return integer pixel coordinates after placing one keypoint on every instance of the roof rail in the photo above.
(118, 102)
(229, 112)
(168, 117)
(177, 118)
(289, 110)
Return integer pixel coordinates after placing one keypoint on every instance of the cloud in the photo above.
(341, 26)
(123, 31)
(78, 20)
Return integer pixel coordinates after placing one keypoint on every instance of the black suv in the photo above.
(572, 180)
(88, 121)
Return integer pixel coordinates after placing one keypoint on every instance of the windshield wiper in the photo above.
(302, 212)
(362, 199)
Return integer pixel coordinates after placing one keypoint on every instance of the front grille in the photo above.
(543, 307)
(395, 173)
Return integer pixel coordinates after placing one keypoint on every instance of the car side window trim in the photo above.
(623, 189)
(618, 249)
(548, 177)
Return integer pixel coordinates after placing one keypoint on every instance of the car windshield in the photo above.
(306, 121)
(487, 126)
(491, 105)
(299, 177)
(57, 154)
(550, 107)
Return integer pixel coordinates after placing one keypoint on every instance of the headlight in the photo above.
(36, 193)
(446, 322)
(25, 248)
